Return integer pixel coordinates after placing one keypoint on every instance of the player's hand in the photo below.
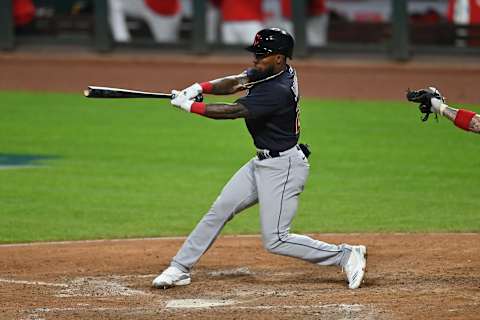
(430, 99)
(437, 105)
(436, 100)
(181, 101)
(424, 96)
(193, 91)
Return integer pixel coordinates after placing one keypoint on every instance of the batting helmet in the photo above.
(272, 40)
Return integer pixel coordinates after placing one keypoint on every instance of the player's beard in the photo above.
(255, 75)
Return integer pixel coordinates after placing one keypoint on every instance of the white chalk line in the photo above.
(34, 313)
(208, 303)
(35, 283)
(198, 303)
(95, 287)
(29, 244)
(136, 276)
(339, 307)
(240, 271)
(46, 243)
(99, 282)
(86, 287)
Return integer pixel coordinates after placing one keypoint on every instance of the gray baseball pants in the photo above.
(275, 184)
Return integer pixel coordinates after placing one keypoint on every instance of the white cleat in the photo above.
(356, 266)
(171, 277)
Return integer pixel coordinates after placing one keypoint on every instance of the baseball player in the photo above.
(275, 177)
(431, 101)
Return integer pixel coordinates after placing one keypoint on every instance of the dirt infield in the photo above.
(410, 276)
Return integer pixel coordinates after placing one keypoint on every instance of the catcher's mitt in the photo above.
(424, 96)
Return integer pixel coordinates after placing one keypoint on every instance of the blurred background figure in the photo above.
(317, 22)
(213, 20)
(278, 13)
(163, 18)
(23, 12)
(465, 13)
(240, 20)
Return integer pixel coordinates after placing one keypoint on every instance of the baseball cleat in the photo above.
(356, 266)
(171, 277)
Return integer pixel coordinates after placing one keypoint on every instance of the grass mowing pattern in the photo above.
(141, 168)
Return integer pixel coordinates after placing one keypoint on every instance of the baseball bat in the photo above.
(106, 92)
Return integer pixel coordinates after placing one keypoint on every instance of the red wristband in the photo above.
(198, 107)
(463, 118)
(206, 87)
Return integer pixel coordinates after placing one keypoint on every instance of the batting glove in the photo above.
(181, 101)
(192, 91)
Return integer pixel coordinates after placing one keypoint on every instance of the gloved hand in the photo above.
(181, 101)
(430, 99)
(192, 91)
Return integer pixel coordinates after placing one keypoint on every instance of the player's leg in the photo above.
(280, 182)
(238, 194)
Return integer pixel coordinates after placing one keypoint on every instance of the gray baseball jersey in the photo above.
(274, 179)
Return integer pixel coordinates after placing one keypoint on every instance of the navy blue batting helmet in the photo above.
(272, 40)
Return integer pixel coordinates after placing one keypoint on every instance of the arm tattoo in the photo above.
(230, 84)
(225, 111)
(475, 124)
(450, 113)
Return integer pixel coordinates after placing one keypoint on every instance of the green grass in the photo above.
(141, 168)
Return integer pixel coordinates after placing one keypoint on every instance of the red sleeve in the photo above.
(164, 7)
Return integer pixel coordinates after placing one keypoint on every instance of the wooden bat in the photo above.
(106, 92)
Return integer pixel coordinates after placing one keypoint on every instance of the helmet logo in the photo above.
(257, 40)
